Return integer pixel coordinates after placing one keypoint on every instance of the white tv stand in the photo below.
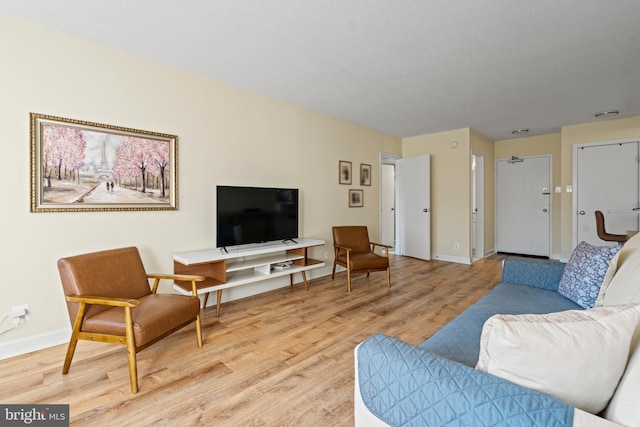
(242, 265)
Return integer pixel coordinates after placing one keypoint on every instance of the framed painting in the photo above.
(344, 172)
(356, 198)
(84, 166)
(365, 174)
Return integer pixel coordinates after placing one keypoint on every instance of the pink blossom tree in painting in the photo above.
(137, 158)
(160, 163)
(64, 150)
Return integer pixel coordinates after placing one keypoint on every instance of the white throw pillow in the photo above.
(623, 286)
(623, 407)
(577, 356)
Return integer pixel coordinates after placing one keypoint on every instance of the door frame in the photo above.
(478, 239)
(574, 179)
(389, 159)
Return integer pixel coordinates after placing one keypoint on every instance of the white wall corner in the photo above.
(489, 252)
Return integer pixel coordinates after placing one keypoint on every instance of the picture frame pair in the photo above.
(345, 173)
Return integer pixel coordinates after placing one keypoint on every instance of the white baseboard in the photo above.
(33, 343)
(449, 258)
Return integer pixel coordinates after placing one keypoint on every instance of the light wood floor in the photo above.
(283, 358)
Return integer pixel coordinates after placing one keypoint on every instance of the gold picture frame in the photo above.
(365, 174)
(356, 198)
(344, 172)
(79, 166)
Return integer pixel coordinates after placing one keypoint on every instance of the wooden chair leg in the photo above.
(335, 262)
(199, 330)
(388, 277)
(73, 341)
(131, 350)
(70, 350)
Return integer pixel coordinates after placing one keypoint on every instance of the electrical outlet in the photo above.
(20, 311)
(456, 246)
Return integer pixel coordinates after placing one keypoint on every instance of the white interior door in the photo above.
(606, 179)
(388, 205)
(413, 175)
(523, 205)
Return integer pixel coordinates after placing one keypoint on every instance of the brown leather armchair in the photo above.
(602, 232)
(109, 300)
(355, 252)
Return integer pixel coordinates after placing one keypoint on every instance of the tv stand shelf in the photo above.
(243, 265)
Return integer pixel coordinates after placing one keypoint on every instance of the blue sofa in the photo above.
(436, 384)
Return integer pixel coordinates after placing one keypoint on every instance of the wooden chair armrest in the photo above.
(176, 277)
(344, 248)
(382, 245)
(113, 302)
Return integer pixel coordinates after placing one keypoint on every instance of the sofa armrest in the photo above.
(539, 273)
(401, 384)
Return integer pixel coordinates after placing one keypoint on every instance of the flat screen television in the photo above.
(255, 215)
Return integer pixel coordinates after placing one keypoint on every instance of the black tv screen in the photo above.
(255, 215)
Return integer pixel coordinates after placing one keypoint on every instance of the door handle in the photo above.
(582, 212)
(425, 210)
(544, 209)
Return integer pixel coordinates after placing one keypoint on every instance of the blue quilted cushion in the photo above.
(539, 273)
(459, 340)
(404, 385)
(584, 273)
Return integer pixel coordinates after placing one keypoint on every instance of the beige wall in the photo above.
(607, 130)
(536, 146)
(226, 136)
(450, 189)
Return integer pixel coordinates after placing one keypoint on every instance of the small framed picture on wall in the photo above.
(356, 198)
(365, 174)
(344, 172)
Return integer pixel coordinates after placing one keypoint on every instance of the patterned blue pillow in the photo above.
(584, 273)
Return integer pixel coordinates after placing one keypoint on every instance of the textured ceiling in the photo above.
(405, 67)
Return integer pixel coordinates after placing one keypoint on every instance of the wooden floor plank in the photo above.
(282, 358)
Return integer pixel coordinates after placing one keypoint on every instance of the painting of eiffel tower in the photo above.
(86, 166)
(104, 170)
